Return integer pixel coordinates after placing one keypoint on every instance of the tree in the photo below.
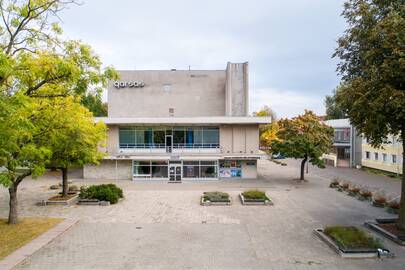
(333, 111)
(94, 103)
(77, 142)
(372, 66)
(37, 68)
(303, 137)
(267, 132)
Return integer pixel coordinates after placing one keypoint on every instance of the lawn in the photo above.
(13, 237)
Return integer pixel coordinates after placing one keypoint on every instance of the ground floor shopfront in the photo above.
(173, 170)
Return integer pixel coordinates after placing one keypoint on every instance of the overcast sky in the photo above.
(288, 43)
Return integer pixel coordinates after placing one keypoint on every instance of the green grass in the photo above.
(381, 172)
(216, 196)
(15, 236)
(351, 237)
(255, 195)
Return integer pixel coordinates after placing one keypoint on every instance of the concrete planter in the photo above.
(67, 202)
(209, 203)
(346, 253)
(377, 204)
(390, 210)
(373, 225)
(254, 202)
(93, 202)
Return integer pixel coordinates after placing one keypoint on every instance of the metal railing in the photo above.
(175, 146)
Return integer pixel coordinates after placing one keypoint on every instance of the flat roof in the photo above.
(338, 123)
(184, 120)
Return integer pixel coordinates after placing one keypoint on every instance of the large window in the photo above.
(342, 135)
(200, 169)
(150, 169)
(183, 137)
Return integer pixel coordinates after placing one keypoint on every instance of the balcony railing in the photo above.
(163, 146)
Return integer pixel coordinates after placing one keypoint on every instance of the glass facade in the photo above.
(183, 137)
(150, 169)
(230, 168)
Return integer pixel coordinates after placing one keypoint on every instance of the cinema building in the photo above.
(179, 125)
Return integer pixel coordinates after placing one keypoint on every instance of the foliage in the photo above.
(267, 132)
(333, 110)
(73, 188)
(94, 103)
(372, 65)
(14, 237)
(351, 237)
(255, 195)
(303, 137)
(216, 196)
(266, 111)
(103, 192)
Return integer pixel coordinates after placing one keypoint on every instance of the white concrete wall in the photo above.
(239, 139)
(107, 170)
(249, 171)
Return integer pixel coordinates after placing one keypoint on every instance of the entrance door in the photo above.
(169, 143)
(175, 173)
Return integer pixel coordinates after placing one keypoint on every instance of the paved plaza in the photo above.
(162, 226)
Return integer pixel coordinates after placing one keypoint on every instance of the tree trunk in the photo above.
(401, 217)
(303, 167)
(65, 187)
(13, 214)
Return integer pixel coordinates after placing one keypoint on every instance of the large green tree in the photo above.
(37, 67)
(303, 137)
(77, 142)
(333, 110)
(372, 65)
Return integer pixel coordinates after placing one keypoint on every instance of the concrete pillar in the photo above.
(237, 89)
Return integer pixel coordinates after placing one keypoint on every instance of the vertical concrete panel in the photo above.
(252, 139)
(112, 140)
(239, 139)
(226, 139)
(236, 89)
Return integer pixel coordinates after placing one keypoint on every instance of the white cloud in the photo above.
(285, 103)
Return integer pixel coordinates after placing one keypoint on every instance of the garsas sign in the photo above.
(130, 84)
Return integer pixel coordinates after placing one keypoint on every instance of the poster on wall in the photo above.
(227, 172)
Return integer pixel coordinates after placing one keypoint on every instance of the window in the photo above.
(375, 156)
(200, 169)
(394, 159)
(342, 135)
(367, 155)
(150, 169)
(384, 157)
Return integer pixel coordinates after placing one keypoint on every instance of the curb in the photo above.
(30, 248)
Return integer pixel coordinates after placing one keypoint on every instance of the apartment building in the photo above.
(387, 158)
(179, 125)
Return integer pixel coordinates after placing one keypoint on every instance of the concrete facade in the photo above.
(175, 124)
(386, 158)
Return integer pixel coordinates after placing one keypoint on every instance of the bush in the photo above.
(216, 196)
(334, 183)
(366, 193)
(255, 195)
(380, 198)
(394, 204)
(104, 192)
(351, 237)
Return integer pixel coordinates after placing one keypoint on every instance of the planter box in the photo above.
(390, 210)
(68, 202)
(255, 202)
(373, 225)
(347, 253)
(377, 204)
(208, 203)
(93, 202)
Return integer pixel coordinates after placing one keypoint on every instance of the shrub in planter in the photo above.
(54, 187)
(379, 200)
(334, 183)
(255, 195)
(365, 194)
(354, 190)
(344, 185)
(393, 207)
(216, 196)
(104, 192)
(349, 237)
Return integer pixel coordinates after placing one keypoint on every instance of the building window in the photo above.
(384, 156)
(200, 169)
(154, 137)
(367, 155)
(150, 169)
(230, 168)
(375, 156)
(342, 135)
(394, 159)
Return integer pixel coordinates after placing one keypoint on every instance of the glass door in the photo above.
(175, 173)
(169, 143)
